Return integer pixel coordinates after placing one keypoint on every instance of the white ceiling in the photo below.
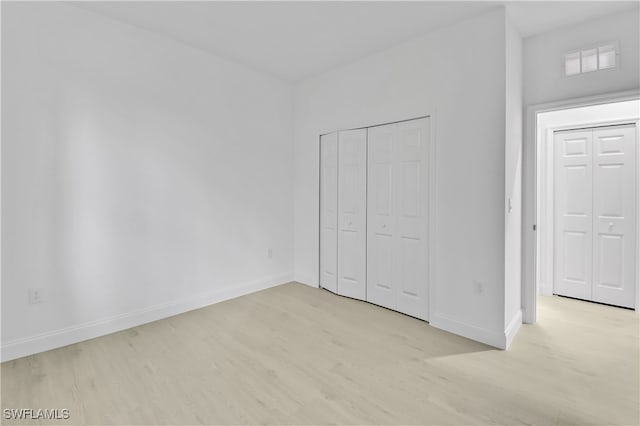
(294, 40)
(535, 17)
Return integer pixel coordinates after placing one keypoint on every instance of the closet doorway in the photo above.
(586, 222)
(374, 214)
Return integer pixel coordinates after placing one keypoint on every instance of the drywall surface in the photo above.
(626, 111)
(544, 78)
(513, 175)
(457, 75)
(138, 176)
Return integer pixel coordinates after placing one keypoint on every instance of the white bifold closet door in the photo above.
(614, 215)
(397, 216)
(352, 217)
(329, 211)
(595, 219)
(574, 214)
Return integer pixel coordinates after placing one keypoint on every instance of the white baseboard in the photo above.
(512, 328)
(89, 330)
(500, 340)
(306, 280)
(482, 335)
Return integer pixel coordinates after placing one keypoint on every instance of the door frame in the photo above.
(431, 197)
(529, 188)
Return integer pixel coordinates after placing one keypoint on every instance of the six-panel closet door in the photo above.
(373, 215)
(573, 247)
(397, 216)
(329, 212)
(614, 215)
(595, 214)
(352, 219)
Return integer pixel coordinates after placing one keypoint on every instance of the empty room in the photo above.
(320, 212)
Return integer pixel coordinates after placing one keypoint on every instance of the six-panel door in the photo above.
(614, 212)
(329, 211)
(573, 203)
(397, 217)
(382, 264)
(352, 226)
(595, 220)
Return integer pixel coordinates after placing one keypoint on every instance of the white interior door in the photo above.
(397, 217)
(573, 213)
(352, 191)
(329, 211)
(382, 263)
(595, 221)
(413, 138)
(614, 197)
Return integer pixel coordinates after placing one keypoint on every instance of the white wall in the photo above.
(544, 77)
(513, 178)
(458, 73)
(140, 177)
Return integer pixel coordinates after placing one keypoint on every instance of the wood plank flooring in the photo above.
(298, 355)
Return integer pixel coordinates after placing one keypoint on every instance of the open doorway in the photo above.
(585, 165)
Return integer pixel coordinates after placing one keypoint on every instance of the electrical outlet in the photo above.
(270, 253)
(479, 287)
(36, 295)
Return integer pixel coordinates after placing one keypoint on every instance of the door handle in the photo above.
(384, 225)
(610, 226)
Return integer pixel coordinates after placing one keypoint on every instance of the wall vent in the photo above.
(591, 59)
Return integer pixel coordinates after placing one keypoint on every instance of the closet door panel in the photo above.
(329, 211)
(412, 149)
(397, 216)
(614, 215)
(573, 213)
(381, 219)
(352, 190)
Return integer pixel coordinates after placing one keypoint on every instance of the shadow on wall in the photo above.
(133, 221)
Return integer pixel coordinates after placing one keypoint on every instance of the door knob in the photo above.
(350, 223)
(610, 226)
(384, 225)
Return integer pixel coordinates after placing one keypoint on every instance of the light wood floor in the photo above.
(298, 355)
